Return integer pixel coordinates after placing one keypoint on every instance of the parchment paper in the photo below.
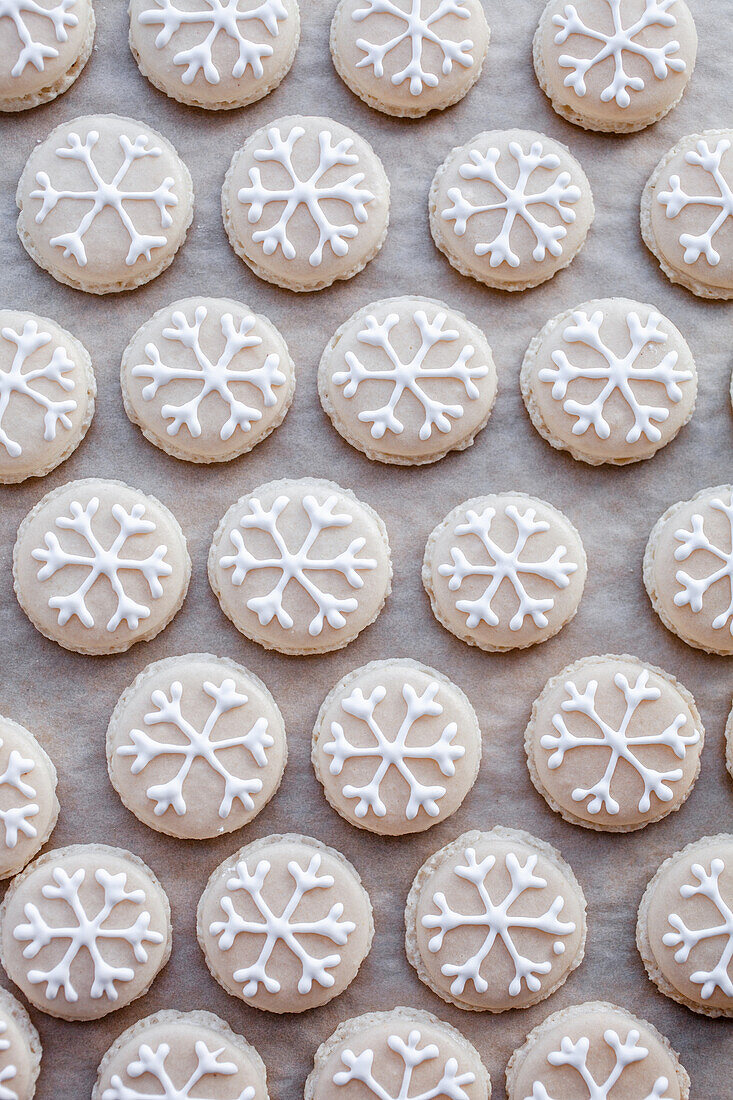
(66, 699)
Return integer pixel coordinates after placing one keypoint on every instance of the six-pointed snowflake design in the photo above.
(32, 52)
(619, 742)
(105, 194)
(15, 819)
(687, 939)
(410, 377)
(677, 199)
(499, 919)
(311, 193)
(198, 745)
(18, 379)
(220, 16)
(153, 1062)
(619, 374)
(575, 1055)
(623, 39)
(516, 201)
(284, 928)
(506, 565)
(360, 1067)
(101, 561)
(694, 589)
(216, 377)
(419, 29)
(88, 934)
(7, 1073)
(298, 565)
(396, 752)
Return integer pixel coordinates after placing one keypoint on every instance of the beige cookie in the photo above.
(84, 930)
(687, 213)
(613, 743)
(185, 1054)
(510, 208)
(98, 566)
(396, 747)
(212, 54)
(402, 1053)
(305, 202)
(301, 566)
(409, 57)
(44, 45)
(206, 379)
(20, 1050)
(406, 380)
(502, 884)
(29, 807)
(504, 571)
(615, 65)
(196, 746)
(596, 1050)
(688, 569)
(611, 380)
(685, 927)
(285, 923)
(105, 203)
(47, 391)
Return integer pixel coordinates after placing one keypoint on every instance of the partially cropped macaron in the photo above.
(20, 1050)
(29, 807)
(409, 57)
(729, 743)
(610, 381)
(211, 54)
(615, 65)
(44, 45)
(510, 208)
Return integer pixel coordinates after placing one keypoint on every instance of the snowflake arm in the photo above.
(32, 52)
(694, 589)
(677, 199)
(153, 1062)
(17, 380)
(361, 1068)
(15, 819)
(685, 939)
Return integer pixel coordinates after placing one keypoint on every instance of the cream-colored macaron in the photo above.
(510, 208)
(123, 550)
(43, 48)
(47, 392)
(105, 203)
(610, 380)
(614, 65)
(214, 55)
(308, 903)
(29, 807)
(305, 202)
(20, 1049)
(409, 57)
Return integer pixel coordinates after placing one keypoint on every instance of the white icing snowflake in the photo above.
(284, 928)
(103, 562)
(419, 28)
(686, 939)
(310, 193)
(619, 373)
(411, 376)
(106, 195)
(15, 819)
(677, 199)
(516, 202)
(621, 744)
(7, 1073)
(396, 752)
(499, 920)
(623, 39)
(221, 16)
(18, 380)
(88, 934)
(199, 745)
(694, 589)
(215, 377)
(33, 52)
(506, 565)
(575, 1055)
(153, 1063)
(360, 1067)
(298, 565)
